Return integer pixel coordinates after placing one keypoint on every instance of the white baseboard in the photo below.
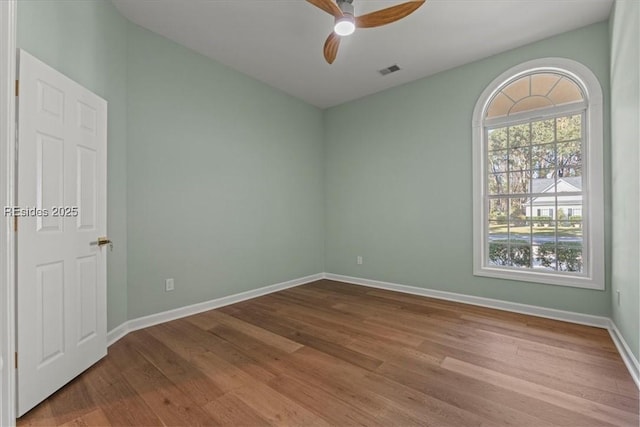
(165, 316)
(118, 332)
(549, 313)
(625, 352)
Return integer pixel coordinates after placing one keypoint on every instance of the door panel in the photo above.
(86, 188)
(50, 172)
(87, 298)
(49, 312)
(61, 271)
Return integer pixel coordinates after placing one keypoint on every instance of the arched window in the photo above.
(538, 176)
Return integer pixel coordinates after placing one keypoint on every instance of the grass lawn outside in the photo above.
(537, 230)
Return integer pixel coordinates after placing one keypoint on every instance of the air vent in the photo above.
(389, 70)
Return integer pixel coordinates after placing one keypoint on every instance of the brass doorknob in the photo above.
(105, 241)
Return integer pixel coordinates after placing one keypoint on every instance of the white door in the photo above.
(61, 268)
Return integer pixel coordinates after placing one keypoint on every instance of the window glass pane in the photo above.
(497, 183)
(497, 139)
(570, 231)
(519, 89)
(543, 185)
(519, 210)
(519, 233)
(573, 172)
(500, 106)
(498, 231)
(542, 83)
(531, 103)
(498, 209)
(569, 128)
(519, 158)
(545, 256)
(575, 220)
(542, 132)
(543, 156)
(498, 253)
(519, 182)
(569, 184)
(569, 155)
(561, 214)
(569, 257)
(520, 256)
(497, 161)
(529, 210)
(519, 221)
(543, 229)
(541, 173)
(519, 135)
(565, 92)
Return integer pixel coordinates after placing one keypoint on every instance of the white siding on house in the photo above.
(571, 205)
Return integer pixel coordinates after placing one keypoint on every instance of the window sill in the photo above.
(584, 282)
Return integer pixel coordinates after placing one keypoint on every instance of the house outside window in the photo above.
(537, 167)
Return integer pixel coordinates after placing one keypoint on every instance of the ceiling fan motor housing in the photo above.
(346, 6)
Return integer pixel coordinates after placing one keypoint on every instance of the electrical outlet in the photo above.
(169, 285)
(359, 260)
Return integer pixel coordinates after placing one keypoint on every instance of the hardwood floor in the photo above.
(329, 353)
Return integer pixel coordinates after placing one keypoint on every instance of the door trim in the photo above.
(7, 196)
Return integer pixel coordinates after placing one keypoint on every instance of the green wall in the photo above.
(625, 138)
(86, 40)
(225, 184)
(398, 180)
(218, 175)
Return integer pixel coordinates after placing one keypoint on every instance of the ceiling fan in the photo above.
(346, 23)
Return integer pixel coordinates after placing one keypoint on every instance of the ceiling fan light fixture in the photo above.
(345, 25)
(345, 21)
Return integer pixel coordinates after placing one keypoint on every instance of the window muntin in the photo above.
(509, 102)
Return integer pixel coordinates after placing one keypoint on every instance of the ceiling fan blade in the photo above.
(328, 6)
(331, 47)
(388, 15)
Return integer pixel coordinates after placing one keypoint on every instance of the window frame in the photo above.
(593, 173)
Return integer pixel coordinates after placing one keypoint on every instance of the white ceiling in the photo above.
(280, 41)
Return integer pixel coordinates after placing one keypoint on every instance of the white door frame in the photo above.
(7, 198)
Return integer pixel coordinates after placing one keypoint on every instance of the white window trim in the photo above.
(593, 211)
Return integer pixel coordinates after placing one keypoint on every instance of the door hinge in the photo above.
(17, 87)
(15, 223)
(16, 353)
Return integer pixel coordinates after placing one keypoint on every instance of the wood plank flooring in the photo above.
(333, 354)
